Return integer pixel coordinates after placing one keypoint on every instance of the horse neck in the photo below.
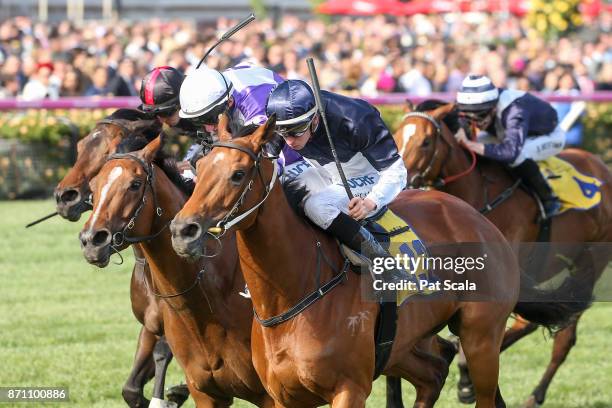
(170, 273)
(278, 256)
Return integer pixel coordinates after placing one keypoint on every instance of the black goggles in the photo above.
(166, 113)
(209, 118)
(294, 131)
(475, 116)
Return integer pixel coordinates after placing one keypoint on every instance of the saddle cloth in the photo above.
(575, 190)
(399, 238)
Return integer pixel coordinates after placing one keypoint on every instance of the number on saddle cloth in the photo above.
(402, 240)
(574, 189)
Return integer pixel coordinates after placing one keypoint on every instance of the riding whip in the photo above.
(227, 35)
(317, 94)
(46, 217)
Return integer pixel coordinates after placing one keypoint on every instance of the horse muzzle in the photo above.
(96, 246)
(187, 237)
(71, 203)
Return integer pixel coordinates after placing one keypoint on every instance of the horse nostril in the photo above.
(101, 238)
(191, 230)
(69, 196)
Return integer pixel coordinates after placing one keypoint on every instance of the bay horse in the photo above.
(429, 361)
(206, 323)
(72, 197)
(434, 158)
(316, 356)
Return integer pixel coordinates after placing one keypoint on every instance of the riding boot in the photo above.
(359, 239)
(530, 173)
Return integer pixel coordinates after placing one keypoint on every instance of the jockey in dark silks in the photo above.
(374, 170)
(159, 93)
(525, 127)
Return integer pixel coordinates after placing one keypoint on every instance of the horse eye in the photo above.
(426, 143)
(237, 177)
(135, 185)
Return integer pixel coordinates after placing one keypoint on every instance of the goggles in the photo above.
(294, 131)
(210, 117)
(166, 113)
(475, 116)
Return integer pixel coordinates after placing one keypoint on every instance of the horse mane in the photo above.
(137, 121)
(451, 119)
(295, 193)
(162, 160)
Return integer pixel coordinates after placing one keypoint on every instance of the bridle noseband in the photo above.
(230, 219)
(120, 237)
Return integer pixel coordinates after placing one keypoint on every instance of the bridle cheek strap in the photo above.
(228, 224)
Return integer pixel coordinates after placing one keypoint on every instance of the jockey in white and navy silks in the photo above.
(374, 170)
(525, 127)
(242, 91)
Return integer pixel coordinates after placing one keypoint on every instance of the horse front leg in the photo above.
(142, 371)
(162, 357)
(349, 395)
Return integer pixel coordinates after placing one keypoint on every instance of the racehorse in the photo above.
(434, 158)
(205, 321)
(72, 196)
(307, 352)
(429, 361)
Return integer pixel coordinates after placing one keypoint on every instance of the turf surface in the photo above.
(64, 322)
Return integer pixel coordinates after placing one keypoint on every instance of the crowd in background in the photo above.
(366, 56)
(418, 55)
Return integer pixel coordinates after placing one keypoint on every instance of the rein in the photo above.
(421, 176)
(441, 182)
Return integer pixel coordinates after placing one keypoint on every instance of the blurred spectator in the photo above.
(122, 84)
(73, 82)
(42, 84)
(567, 85)
(99, 86)
(414, 82)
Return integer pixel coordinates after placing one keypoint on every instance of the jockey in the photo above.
(241, 91)
(374, 170)
(526, 127)
(159, 93)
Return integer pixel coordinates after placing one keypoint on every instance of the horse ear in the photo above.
(265, 132)
(443, 110)
(409, 107)
(149, 152)
(222, 132)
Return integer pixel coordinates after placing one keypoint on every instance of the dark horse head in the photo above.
(72, 192)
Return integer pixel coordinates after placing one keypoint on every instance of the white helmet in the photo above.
(202, 90)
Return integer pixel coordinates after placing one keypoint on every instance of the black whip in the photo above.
(227, 35)
(317, 94)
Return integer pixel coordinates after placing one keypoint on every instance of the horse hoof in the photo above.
(531, 403)
(178, 394)
(134, 398)
(465, 394)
